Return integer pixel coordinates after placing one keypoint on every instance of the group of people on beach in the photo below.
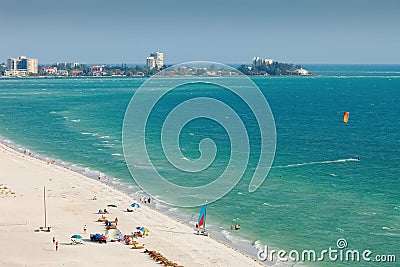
(109, 224)
(99, 177)
(144, 200)
(105, 179)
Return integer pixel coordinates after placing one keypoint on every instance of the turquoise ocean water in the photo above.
(316, 191)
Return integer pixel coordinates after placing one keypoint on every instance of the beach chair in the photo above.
(76, 241)
(137, 247)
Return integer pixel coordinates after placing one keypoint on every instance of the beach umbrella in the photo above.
(112, 205)
(76, 236)
(144, 229)
(135, 205)
(97, 235)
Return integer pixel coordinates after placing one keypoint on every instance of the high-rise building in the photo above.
(257, 62)
(150, 62)
(159, 57)
(155, 60)
(32, 66)
(67, 65)
(21, 66)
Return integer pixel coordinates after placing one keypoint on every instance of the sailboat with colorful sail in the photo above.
(201, 221)
(346, 117)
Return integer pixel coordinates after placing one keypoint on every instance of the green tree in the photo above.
(245, 70)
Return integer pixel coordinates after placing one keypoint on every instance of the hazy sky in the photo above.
(302, 31)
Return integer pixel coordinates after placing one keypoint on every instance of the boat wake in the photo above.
(316, 162)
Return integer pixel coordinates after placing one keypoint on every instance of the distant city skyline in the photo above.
(124, 31)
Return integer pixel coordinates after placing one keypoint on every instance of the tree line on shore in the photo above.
(275, 69)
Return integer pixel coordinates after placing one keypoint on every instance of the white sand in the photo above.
(70, 207)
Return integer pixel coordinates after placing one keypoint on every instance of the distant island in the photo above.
(269, 67)
(29, 67)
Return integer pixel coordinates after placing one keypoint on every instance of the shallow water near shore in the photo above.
(316, 192)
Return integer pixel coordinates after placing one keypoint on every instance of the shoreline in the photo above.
(13, 152)
(70, 77)
(145, 76)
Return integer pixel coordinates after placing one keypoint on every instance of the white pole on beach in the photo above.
(44, 201)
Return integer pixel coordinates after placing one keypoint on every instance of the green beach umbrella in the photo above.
(144, 229)
(76, 236)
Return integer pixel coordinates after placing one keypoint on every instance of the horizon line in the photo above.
(230, 63)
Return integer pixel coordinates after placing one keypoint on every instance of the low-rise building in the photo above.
(50, 70)
(301, 72)
(16, 73)
(76, 72)
(62, 73)
(96, 68)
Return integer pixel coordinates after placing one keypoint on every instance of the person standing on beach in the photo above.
(56, 245)
(84, 229)
(116, 221)
(54, 240)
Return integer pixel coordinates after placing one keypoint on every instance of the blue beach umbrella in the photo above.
(97, 235)
(135, 205)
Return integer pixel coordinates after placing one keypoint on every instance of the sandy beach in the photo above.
(70, 206)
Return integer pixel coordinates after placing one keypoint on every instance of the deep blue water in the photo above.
(316, 191)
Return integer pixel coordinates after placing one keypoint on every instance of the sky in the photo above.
(126, 31)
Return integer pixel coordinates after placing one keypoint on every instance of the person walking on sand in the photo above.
(54, 240)
(56, 245)
(116, 221)
(84, 229)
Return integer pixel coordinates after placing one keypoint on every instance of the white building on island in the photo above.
(301, 72)
(150, 62)
(21, 66)
(257, 61)
(155, 60)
